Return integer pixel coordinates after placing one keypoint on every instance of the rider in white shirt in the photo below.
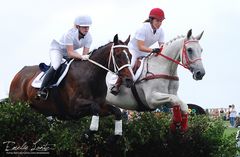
(144, 38)
(75, 38)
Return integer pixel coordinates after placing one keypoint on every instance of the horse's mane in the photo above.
(99, 48)
(174, 39)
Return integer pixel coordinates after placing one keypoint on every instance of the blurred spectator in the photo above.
(232, 116)
(222, 114)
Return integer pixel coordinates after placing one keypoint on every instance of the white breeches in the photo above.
(56, 58)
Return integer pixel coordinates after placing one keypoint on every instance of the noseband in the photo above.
(111, 56)
(185, 57)
(186, 65)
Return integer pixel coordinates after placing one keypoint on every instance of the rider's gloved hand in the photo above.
(85, 57)
(155, 50)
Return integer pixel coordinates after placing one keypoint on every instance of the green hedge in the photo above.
(145, 135)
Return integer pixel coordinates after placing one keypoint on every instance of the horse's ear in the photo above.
(115, 39)
(199, 36)
(189, 34)
(127, 41)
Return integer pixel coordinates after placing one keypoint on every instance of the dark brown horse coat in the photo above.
(82, 91)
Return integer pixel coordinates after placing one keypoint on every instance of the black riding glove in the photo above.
(155, 50)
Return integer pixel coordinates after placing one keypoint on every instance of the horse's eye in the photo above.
(190, 51)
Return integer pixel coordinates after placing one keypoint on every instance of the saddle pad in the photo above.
(37, 82)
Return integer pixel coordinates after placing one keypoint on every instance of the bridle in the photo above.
(116, 68)
(185, 57)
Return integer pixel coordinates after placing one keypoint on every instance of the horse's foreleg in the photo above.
(118, 119)
(83, 107)
(180, 109)
(95, 118)
(157, 98)
(88, 134)
(113, 139)
(184, 123)
(180, 120)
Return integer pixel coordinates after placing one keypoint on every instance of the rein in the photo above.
(111, 56)
(184, 57)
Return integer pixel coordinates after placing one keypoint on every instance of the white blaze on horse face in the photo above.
(118, 68)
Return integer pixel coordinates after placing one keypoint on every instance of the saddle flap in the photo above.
(61, 73)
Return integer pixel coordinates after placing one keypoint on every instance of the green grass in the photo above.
(228, 130)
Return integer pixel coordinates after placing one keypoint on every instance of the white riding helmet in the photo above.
(83, 20)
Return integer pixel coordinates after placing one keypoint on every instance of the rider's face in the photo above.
(83, 29)
(156, 23)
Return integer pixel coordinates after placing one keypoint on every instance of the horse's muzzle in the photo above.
(198, 74)
(128, 82)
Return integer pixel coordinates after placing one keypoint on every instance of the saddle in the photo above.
(44, 68)
(60, 74)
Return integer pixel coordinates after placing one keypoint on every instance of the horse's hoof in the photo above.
(175, 128)
(112, 144)
(113, 139)
(88, 135)
(183, 130)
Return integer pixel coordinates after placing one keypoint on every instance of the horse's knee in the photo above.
(175, 100)
(118, 114)
(184, 108)
(95, 108)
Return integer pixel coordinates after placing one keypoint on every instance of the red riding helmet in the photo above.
(157, 13)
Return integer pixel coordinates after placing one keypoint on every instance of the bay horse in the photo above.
(158, 82)
(83, 90)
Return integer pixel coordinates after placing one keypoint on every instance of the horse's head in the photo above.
(191, 55)
(121, 62)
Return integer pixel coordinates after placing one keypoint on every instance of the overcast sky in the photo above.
(28, 26)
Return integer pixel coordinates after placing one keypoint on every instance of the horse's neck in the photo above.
(164, 66)
(101, 55)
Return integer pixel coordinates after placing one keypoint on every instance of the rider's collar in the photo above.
(154, 31)
(80, 35)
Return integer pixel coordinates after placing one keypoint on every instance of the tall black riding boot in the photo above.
(43, 92)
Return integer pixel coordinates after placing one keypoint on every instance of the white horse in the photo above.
(158, 82)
